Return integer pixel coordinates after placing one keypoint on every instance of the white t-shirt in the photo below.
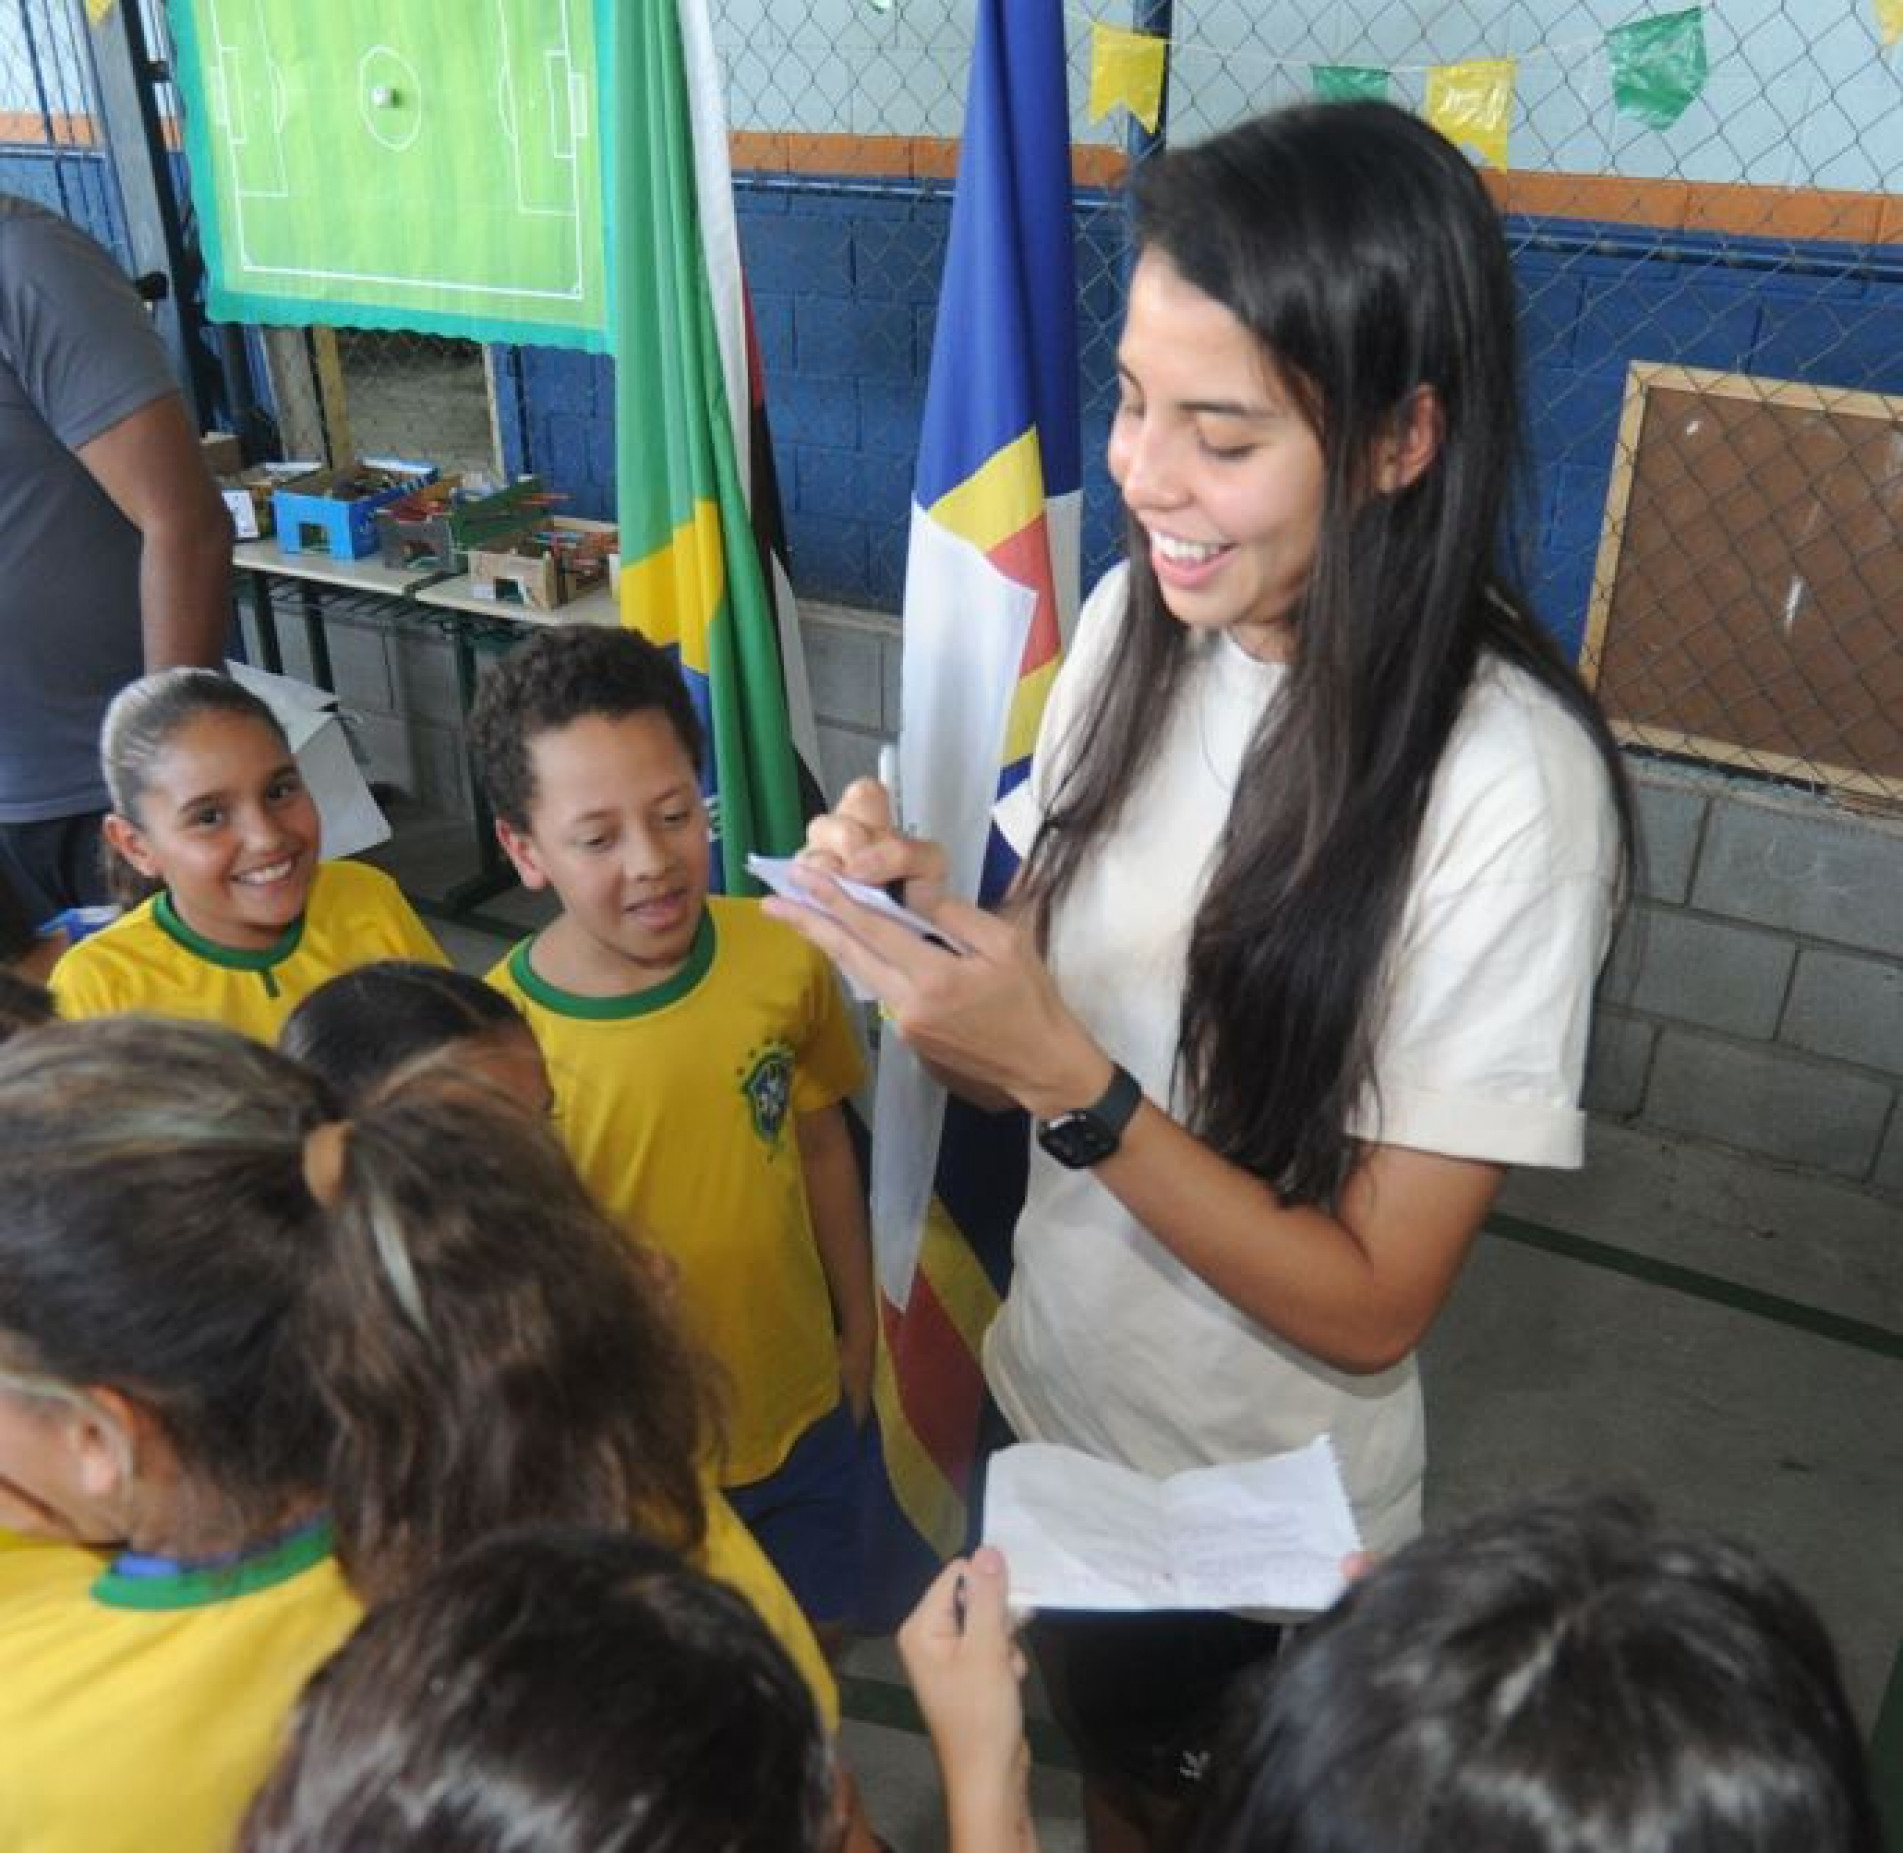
(1108, 1343)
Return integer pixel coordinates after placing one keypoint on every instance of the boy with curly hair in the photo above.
(699, 1053)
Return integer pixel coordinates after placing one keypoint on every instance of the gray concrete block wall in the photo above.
(852, 665)
(1755, 997)
(396, 696)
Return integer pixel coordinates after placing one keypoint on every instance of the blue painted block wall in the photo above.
(845, 287)
(845, 282)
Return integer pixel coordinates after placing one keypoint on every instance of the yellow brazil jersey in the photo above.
(677, 1104)
(152, 961)
(142, 1704)
(730, 1555)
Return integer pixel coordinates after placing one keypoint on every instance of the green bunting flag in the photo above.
(1658, 65)
(1349, 83)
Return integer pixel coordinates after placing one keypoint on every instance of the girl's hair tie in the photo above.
(324, 1148)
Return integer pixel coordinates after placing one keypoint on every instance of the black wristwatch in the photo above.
(1086, 1136)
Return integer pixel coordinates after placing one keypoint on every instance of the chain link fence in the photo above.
(51, 144)
(1700, 219)
(1697, 202)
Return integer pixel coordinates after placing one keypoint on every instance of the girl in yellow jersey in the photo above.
(211, 822)
(259, 1364)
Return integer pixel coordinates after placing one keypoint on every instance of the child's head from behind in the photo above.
(221, 1306)
(567, 1690)
(1556, 1677)
(489, 1347)
(208, 803)
(156, 1213)
(588, 745)
(1361, 268)
(366, 1024)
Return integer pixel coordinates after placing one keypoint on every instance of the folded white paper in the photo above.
(781, 874)
(1080, 1533)
(352, 819)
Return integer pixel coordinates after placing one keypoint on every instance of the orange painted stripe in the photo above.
(904, 157)
(1618, 199)
(38, 131)
(1801, 213)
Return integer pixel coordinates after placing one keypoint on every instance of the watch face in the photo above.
(1076, 1139)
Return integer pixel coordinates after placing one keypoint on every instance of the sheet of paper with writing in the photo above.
(1264, 1535)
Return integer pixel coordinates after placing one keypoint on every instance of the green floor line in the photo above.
(1709, 1287)
(891, 1706)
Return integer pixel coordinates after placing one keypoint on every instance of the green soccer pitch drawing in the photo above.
(428, 164)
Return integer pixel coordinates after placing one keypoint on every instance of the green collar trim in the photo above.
(700, 959)
(189, 1586)
(229, 956)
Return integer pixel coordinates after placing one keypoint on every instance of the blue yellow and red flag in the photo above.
(991, 584)
(698, 511)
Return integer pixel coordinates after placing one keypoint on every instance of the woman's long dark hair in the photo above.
(1361, 250)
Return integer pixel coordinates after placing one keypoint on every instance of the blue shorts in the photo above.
(805, 1516)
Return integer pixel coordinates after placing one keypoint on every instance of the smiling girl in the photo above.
(210, 810)
(1322, 839)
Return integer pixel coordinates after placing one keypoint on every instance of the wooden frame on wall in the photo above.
(1747, 602)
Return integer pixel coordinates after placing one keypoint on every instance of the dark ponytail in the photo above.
(155, 1241)
(488, 1347)
(418, 1318)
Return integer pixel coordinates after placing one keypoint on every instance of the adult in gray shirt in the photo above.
(115, 548)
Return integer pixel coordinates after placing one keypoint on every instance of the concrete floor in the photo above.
(1719, 1335)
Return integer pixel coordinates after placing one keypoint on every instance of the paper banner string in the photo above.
(1352, 83)
(1658, 65)
(1472, 104)
(1126, 68)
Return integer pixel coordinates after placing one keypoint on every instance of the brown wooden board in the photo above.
(1747, 607)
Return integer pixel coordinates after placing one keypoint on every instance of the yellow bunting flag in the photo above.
(1472, 105)
(1889, 19)
(96, 10)
(1126, 68)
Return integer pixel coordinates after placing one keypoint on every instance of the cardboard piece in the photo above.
(438, 524)
(352, 819)
(249, 495)
(544, 570)
(221, 451)
(335, 511)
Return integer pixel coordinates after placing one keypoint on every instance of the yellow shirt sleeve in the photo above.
(413, 939)
(730, 1555)
(828, 1065)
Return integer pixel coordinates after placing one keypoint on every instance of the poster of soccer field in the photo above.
(427, 164)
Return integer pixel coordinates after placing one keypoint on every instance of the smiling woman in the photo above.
(1321, 842)
(212, 822)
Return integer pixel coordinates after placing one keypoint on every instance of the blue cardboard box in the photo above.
(335, 511)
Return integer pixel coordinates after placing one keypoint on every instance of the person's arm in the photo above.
(838, 1209)
(1355, 1288)
(151, 465)
(965, 1670)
